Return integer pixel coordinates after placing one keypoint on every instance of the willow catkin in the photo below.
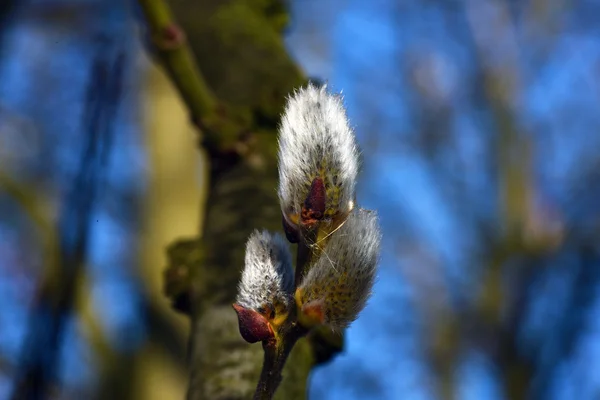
(316, 142)
(266, 286)
(337, 286)
(268, 275)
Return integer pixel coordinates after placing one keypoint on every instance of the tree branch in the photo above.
(244, 71)
(220, 124)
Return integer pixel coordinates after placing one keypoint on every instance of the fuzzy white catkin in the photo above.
(268, 276)
(315, 139)
(342, 278)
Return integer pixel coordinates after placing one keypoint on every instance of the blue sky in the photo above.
(371, 51)
(366, 43)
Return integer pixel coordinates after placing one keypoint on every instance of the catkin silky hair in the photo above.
(337, 287)
(268, 275)
(265, 288)
(316, 144)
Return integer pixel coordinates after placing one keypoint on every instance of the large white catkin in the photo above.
(268, 276)
(342, 278)
(315, 139)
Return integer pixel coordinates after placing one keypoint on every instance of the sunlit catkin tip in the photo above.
(318, 157)
(337, 287)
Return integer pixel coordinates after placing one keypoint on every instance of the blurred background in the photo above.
(479, 126)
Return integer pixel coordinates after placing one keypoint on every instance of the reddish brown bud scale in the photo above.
(314, 205)
(314, 312)
(254, 327)
(173, 34)
(169, 38)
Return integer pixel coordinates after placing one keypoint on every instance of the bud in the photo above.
(254, 326)
(318, 160)
(266, 285)
(337, 286)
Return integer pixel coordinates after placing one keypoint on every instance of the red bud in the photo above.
(253, 326)
(314, 205)
(314, 311)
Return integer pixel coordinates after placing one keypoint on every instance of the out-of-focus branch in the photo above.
(28, 200)
(54, 302)
(118, 369)
(170, 43)
(7, 12)
(220, 124)
(501, 83)
(491, 322)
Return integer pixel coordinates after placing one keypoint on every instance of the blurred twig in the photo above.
(219, 124)
(492, 321)
(27, 199)
(54, 302)
(499, 313)
(170, 43)
(7, 12)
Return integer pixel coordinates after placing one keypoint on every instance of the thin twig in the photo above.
(276, 354)
(170, 43)
(220, 125)
(40, 359)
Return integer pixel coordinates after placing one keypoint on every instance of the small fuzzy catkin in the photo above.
(316, 143)
(268, 277)
(265, 289)
(338, 285)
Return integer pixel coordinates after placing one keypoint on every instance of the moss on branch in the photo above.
(220, 124)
